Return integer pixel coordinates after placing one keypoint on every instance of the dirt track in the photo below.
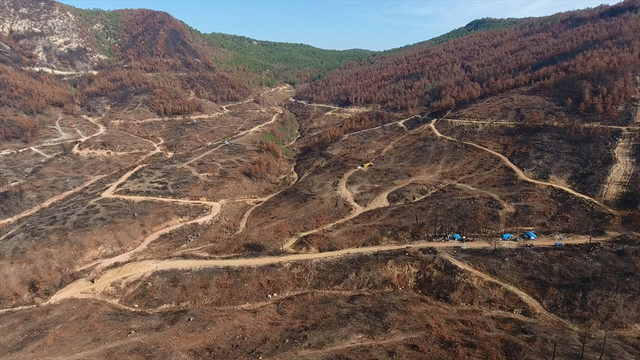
(93, 287)
(131, 271)
(84, 288)
(50, 201)
(516, 123)
(359, 342)
(521, 175)
(621, 170)
(507, 209)
(528, 299)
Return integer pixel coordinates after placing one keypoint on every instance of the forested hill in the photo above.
(584, 61)
(276, 61)
(300, 63)
(57, 57)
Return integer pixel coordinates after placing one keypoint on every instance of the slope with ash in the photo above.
(163, 199)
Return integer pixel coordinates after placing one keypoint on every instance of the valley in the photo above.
(348, 203)
(171, 194)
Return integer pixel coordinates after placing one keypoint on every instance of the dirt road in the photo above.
(94, 287)
(214, 210)
(357, 341)
(526, 298)
(63, 137)
(234, 138)
(50, 201)
(622, 169)
(85, 288)
(521, 175)
(516, 123)
(379, 201)
(507, 209)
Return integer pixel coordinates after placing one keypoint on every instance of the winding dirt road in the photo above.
(526, 298)
(522, 176)
(213, 207)
(63, 138)
(214, 210)
(358, 341)
(516, 123)
(379, 201)
(235, 138)
(507, 209)
(84, 288)
(95, 287)
(50, 201)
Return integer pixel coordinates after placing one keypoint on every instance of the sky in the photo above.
(340, 24)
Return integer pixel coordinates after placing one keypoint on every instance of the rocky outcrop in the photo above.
(48, 33)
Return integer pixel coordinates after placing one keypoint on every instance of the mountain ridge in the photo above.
(565, 47)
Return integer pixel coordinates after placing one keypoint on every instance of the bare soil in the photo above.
(127, 235)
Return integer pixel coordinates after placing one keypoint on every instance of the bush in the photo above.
(270, 148)
(18, 128)
(263, 168)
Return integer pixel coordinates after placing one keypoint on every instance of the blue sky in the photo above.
(340, 24)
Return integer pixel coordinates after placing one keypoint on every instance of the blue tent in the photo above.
(507, 237)
(530, 235)
(454, 236)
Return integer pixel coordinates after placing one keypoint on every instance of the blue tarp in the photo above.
(558, 244)
(530, 235)
(507, 237)
(454, 236)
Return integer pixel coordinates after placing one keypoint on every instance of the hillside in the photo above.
(159, 200)
(278, 62)
(583, 62)
(132, 55)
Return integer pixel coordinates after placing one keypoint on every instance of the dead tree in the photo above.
(604, 343)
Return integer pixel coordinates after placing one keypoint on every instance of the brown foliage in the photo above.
(155, 41)
(110, 82)
(31, 92)
(166, 103)
(265, 167)
(22, 128)
(271, 148)
(168, 91)
(155, 52)
(161, 57)
(357, 122)
(597, 49)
